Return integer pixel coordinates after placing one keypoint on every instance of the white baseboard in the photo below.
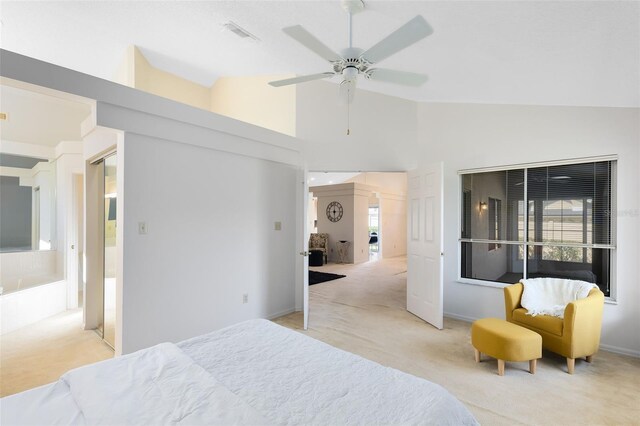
(621, 351)
(459, 317)
(281, 313)
(608, 348)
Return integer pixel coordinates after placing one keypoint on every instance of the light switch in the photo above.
(278, 226)
(142, 228)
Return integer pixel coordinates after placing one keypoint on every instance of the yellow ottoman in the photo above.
(505, 342)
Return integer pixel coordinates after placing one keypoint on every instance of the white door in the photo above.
(424, 244)
(302, 265)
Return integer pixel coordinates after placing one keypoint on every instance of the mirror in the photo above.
(27, 203)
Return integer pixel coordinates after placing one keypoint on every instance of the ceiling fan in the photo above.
(353, 61)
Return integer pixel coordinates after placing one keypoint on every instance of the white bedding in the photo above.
(255, 372)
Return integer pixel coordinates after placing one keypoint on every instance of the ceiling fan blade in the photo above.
(399, 77)
(414, 30)
(309, 41)
(301, 79)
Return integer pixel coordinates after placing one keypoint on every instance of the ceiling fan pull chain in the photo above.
(348, 113)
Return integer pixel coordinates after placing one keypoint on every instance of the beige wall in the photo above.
(135, 71)
(252, 100)
(391, 182)
(393, 225)
(168, 85)
(249, 99)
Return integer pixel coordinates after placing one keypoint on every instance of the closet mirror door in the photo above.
(110, 246)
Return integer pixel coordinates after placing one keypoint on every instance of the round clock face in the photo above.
(334, 211)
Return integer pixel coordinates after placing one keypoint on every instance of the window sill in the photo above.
(494, 284)
(481, 283)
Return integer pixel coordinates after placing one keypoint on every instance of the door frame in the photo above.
(302, 289)
(302, 246)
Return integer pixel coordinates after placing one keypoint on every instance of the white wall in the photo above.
(472, 136)
(23, 269)
(393, 224)
(360, 241)
(390, 189)
(253, 100)
(31, 305)
(210, 218)
(188, 274)
(344, 228)
(385, 137)
(312, 214)
(44, 179)
(67, 165)
(383, 130)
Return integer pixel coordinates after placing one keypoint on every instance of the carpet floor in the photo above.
(365, 313)
(40, 353)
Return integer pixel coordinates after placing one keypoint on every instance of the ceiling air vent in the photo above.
(239, 31)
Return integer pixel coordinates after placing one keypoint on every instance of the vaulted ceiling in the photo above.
(507, 52)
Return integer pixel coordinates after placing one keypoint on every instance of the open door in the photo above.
(424, 244)
(302, 265)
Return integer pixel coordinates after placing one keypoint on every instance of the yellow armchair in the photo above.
(575, 336)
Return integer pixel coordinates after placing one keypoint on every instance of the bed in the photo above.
(255, 372)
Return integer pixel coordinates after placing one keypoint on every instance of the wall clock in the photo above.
(334, 211)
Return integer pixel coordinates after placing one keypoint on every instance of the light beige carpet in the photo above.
(40, 353)
(365, 314)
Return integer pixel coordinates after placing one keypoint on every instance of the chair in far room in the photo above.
(319, 241)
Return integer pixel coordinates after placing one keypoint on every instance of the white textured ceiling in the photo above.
(515, 52)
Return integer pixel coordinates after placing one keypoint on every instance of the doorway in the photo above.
(102, 267)
(366, 211)
(374, 232)
(371, 209)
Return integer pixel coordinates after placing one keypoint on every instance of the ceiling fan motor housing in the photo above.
(352, 64)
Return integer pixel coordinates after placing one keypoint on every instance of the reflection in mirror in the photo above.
(27, 205)
(110, 248)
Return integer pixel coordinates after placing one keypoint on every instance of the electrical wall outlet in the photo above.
(142, 228)
(278, 226)
(245, 298)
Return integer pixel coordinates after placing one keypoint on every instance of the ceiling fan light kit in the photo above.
(353, 61)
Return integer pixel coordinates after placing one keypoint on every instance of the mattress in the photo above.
(255, 372)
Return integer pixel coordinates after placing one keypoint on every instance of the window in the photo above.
(550, 221)
(495, 223)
